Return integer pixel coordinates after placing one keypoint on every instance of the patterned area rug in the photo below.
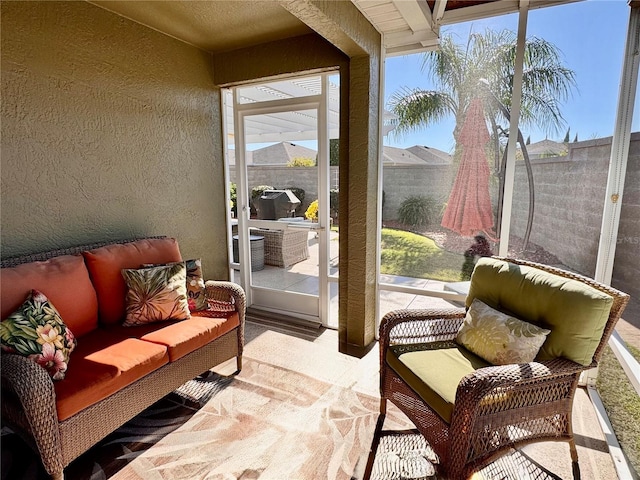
(267, 422)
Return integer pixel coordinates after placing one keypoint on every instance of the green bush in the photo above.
(334, 152)
(418, 211)
(334, 203)
(233, 196)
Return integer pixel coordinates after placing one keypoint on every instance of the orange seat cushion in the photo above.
(104, 362)
(106, 263)
(182, 338)
(66, 283)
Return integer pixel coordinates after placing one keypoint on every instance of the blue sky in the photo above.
(591, 36)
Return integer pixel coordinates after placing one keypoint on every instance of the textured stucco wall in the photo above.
(109, 130)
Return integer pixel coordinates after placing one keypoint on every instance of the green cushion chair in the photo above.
(471, 411)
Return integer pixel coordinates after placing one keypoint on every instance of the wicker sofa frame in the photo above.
(483, 425)
(28, 395)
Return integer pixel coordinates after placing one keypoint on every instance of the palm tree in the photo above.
(488, 58)
(485, 67)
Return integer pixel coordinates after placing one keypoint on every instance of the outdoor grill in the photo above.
(275, 204)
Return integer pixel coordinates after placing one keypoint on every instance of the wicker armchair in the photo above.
(495, 407)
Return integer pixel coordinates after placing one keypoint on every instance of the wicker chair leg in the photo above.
(58, 475)
(575, 466)
(383, 406)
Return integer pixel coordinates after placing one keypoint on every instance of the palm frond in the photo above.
(419, 108)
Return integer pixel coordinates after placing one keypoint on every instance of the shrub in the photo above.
(334, 203)
(312, 211)
(301, 162)
(233, 196)
(418, 211)
(259, 190)
(334, 152)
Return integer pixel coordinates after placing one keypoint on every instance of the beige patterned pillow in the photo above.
(156, 294)
(499, 338)
(195, 283)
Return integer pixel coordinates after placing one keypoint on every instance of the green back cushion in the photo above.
(575, 313)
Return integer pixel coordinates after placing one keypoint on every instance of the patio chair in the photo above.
(472, 410)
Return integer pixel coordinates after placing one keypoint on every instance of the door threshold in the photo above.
(274, 319)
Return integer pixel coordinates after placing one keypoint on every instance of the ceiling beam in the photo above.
(415, 13)
(424, 37)
(439, 9)
(341, 23)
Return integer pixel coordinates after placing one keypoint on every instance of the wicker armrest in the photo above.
(498, 376)
(31, 385)
(419, 326)
(227, 292)
(500, 388)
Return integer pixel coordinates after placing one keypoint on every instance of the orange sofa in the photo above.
(115, 371)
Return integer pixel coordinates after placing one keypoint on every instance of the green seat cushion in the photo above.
(434, 373)
(575, 312)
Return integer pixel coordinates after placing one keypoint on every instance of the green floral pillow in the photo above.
(499, 338)
(156, 294)
(36, 330)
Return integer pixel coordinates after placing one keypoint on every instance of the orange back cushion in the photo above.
(106, 263)
(66, 283)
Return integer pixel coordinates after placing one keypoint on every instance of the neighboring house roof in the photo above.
(281, 153)
(547, 148)
(416, 155)
(232, 156)
(399, 156)
(430, 155)
(277, 154)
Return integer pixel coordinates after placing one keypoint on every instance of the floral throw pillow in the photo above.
(156, 294)
(195, 284)
(36, 330)
(499, 338)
